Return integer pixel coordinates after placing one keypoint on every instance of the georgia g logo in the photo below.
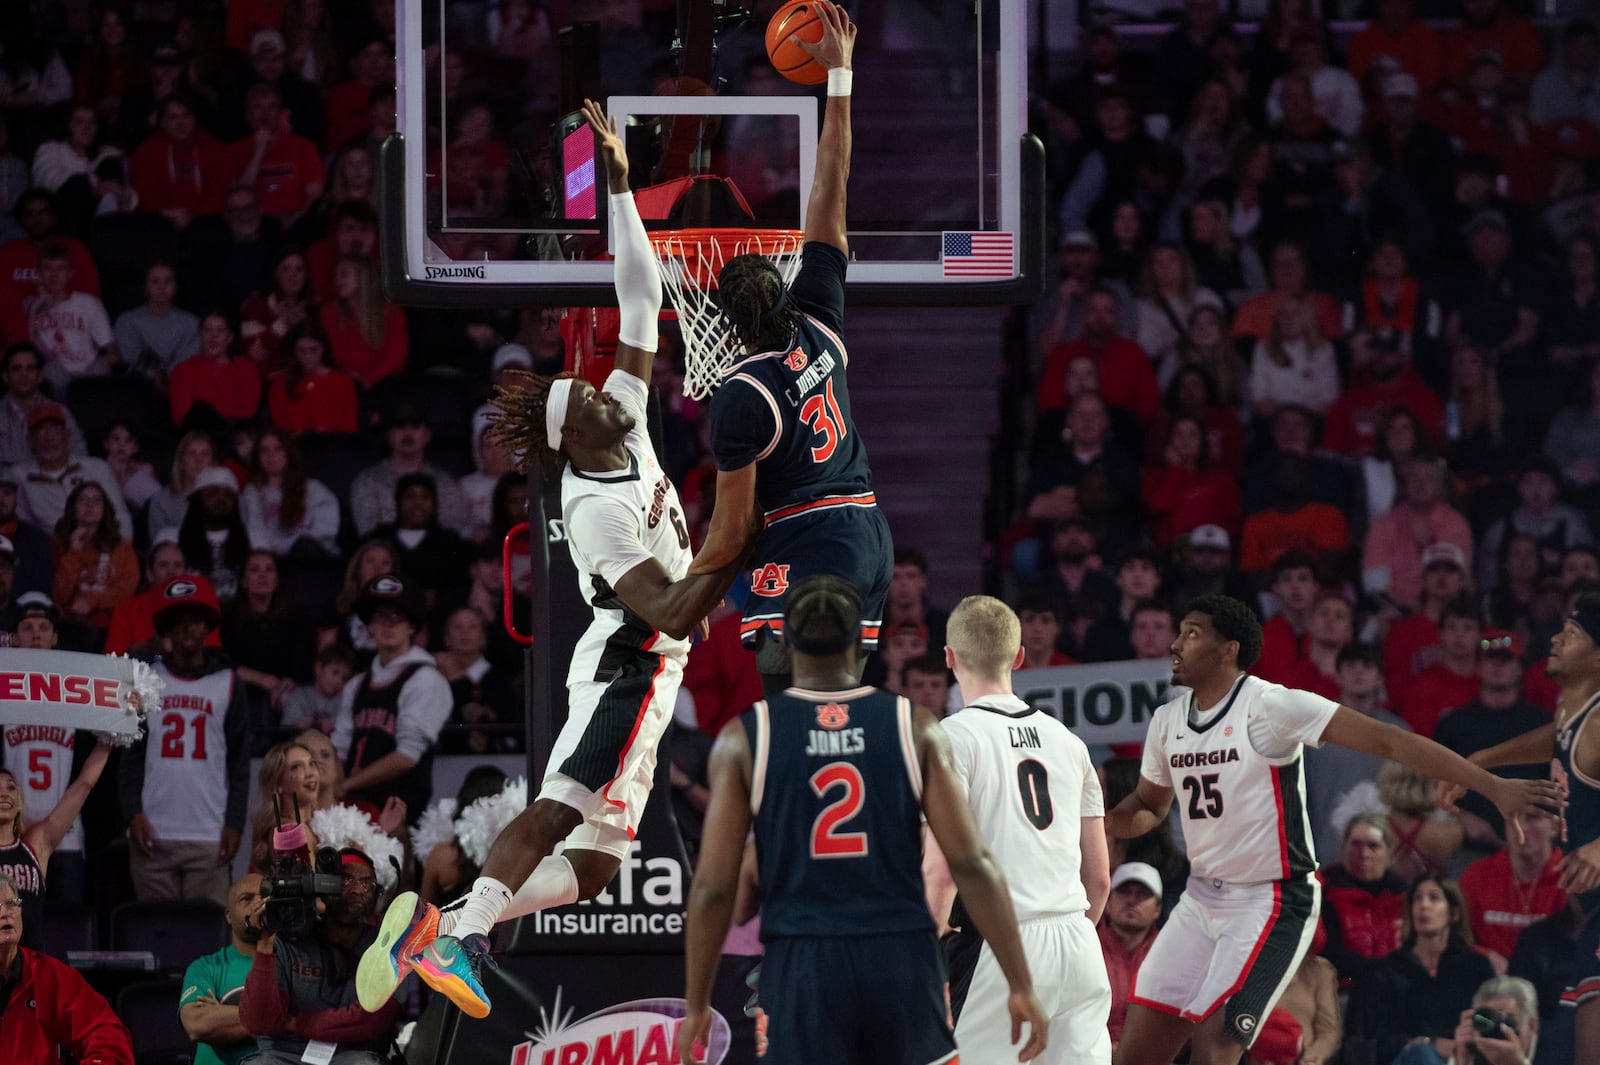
(771, 579)
(1246, 1023)
(181, 589)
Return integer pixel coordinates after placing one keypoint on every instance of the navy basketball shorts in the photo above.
(847, 541)
(861, 1000)
(1583, 986)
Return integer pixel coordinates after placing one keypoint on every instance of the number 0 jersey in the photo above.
(836, 796)
(1237, 771)
(614, 522)
(1030, 783)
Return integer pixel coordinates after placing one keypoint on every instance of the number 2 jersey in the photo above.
(836, 797)
(1239, 777)
(614, 522)
(1029, 782)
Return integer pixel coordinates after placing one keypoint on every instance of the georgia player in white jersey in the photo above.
(629, 542)
(1037, 803)
(1232, 745)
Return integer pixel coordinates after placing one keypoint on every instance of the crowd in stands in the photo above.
(1324, 335)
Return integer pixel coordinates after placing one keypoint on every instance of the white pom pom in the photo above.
(1361, 799)
(436, 825)
(343, 825)
(138, 691)
(481, 823)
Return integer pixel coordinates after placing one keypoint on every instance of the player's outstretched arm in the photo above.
(1141, 811)
(982, 886)
(825, 214)
(716, 880)
(638, 283)
(51, 829)
(1534, 747)
(1515, 799)
(734, 521)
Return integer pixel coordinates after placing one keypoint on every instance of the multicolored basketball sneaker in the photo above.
(409, 925)
(451, 967)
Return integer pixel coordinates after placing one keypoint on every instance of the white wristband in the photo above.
(839, 79)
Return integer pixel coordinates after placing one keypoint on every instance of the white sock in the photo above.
(480, 909)
(552, 883)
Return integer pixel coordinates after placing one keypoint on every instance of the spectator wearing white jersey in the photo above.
(186, 784)
(1037, 802)
(25, 852)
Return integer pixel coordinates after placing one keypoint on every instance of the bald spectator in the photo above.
(212, 985)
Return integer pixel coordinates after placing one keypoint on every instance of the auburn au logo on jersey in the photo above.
(771, 579)
(796, 360)
(833, 715)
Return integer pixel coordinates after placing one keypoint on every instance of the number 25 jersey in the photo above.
(836, 797)
(1239, 778)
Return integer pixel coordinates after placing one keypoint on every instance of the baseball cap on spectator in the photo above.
(37, 605)
(1501, 642)
(1443, 554)
(1140, 873)
(394, 593)
(511, 355)
(215, 477)
(40, 413)
(1213, 537)
(1485, 218)
(186, 592)
(266, 40)
(1400, 85)
(1080, 238)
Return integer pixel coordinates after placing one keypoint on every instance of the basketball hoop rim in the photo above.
(689, 246)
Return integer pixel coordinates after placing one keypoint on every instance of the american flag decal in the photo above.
(980, 255)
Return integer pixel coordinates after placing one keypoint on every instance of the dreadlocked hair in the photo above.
(517, 420)
(754, 302)
(823, 609)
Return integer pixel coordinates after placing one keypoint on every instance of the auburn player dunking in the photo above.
(837, 779)
(781, 428)
(630, 545)
(1572, 744)
(1232, 746)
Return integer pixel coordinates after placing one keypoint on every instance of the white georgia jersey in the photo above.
(40, 757)
(1239, 778)
(614, 522)
(1029, 782)
(186, 756)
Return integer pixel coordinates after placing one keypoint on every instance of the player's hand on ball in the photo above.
(1580, 869)
(611, 149)
(1025, 1008)
(838, 38)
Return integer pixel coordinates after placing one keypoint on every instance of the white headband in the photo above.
(555, 411)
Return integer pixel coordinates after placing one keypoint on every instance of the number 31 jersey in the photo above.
(836, 797)
(1239, 777)
(1029, 782)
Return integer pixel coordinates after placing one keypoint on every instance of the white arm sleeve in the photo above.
(638, 282)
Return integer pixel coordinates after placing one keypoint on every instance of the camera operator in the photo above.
(1502, 1027)
(301, 990)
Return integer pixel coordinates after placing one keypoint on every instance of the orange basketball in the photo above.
(798, 18)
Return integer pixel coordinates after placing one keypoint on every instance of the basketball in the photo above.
(796, 18)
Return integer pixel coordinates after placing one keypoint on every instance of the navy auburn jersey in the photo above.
(788, 410)
(1580, 821)
(836, 797)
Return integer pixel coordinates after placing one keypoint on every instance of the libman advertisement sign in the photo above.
(1103, 702)
(641, 1032)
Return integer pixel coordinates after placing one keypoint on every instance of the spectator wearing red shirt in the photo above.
(1187, 491)
(133, 621)
(1364, 899)
(1390, 297)
(1397, 544)
(311, 396)
(1410, 43)
(19, 263)
(1127, 378)
(1041, 628)
(284, 169)
(1486, 28)
(1127, 932)
(1283, 637)
(230, 383)
(349, 103)
(366, 333)
(1450, 682)
(180, 171)
(355, 234)
(1514, 887)
(1353, 418)
(1412, 643)
(721, 674)
(1289, 279)
(1294, 523)
(1331, 627)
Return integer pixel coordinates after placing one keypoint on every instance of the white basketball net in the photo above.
(690, 260)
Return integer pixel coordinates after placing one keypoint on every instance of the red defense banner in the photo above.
(71, 690)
